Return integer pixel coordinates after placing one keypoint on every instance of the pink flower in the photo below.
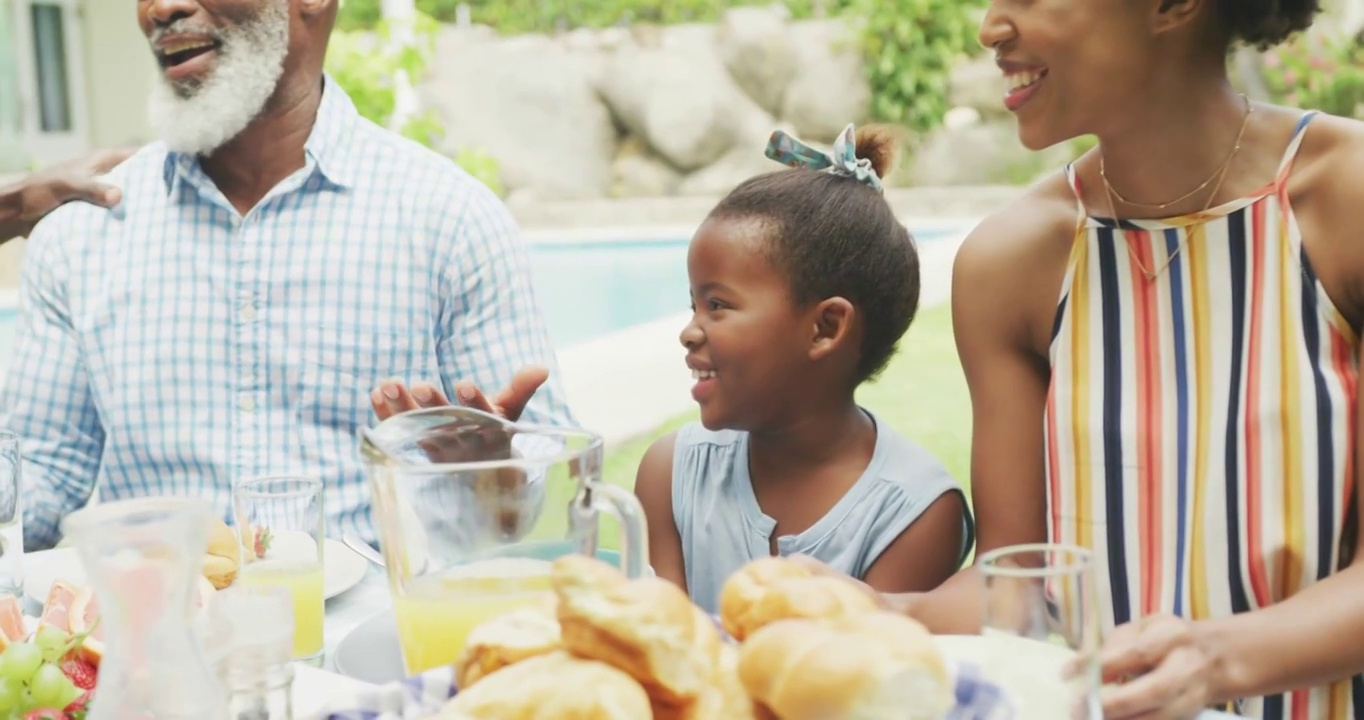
(1272, 60)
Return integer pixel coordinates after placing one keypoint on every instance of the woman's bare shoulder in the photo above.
(1035, 227)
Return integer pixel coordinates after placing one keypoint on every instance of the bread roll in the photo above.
(222, 540)
(742, 591)
(219, 570)
(506, 640)
(871, 666)
(815, 598)
(725, 699)
(557, 686)
(648, 628)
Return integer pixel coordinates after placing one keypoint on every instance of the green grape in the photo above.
(48, 686)
(70, 693)
(52, 642)
(9, 694)
(22, 660)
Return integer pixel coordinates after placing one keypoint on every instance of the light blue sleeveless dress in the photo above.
(722, 528)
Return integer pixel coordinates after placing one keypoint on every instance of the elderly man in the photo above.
(274, 259)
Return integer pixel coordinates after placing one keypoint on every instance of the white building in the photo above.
(74, 75)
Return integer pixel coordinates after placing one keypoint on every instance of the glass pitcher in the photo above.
(142, 557)
(471, 511)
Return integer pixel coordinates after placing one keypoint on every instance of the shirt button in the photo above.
(246, 402)
(248, 312)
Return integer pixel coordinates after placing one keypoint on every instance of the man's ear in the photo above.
(833, 320)
(1172, 14)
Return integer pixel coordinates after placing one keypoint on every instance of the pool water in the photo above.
(586, 290)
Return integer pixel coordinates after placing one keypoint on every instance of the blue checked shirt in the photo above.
(172, 346)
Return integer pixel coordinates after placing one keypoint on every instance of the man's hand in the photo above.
(23, 205)
(392, 398)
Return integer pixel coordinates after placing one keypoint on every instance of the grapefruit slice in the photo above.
(57, 608)
(84, 618)
(12, 628)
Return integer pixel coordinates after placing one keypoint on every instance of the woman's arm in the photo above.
(654, 488)
(1007, 277)
(26, 202)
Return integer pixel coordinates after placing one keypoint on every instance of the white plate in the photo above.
(371, 653)
(343, 567)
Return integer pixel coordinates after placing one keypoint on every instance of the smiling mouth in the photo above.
(1020, 80)
(176, 54)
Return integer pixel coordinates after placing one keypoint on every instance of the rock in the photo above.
(978, 84)
(987, 153)
(638, 172)
(829, 88)
(681, 101)
(531, 104)
(756, 49)
(725, 174)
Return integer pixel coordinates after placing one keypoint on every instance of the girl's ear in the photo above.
(832, 326)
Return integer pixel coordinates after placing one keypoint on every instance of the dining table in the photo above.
(318, 686)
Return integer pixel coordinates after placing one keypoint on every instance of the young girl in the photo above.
(802, 283)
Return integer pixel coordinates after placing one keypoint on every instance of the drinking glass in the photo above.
(472, 510)
(11, 516)
(249, 637)
(1040, 617)
(279, 523)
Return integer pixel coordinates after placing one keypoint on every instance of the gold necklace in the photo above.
(1103, 174)
(1220, 176)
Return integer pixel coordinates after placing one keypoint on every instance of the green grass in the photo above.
(922, 395)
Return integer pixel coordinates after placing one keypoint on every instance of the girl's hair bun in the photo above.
(881, 145)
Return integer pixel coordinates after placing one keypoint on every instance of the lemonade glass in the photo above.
(1041, 617)
(280, 517)
(472, 510)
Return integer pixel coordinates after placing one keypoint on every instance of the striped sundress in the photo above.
(1200, 426)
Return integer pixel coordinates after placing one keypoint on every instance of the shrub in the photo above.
(1318, 71)
(366, 65)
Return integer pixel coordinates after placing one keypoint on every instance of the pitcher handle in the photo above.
(634, 546)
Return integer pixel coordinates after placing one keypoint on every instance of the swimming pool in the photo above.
(587, 288)
(592, 288)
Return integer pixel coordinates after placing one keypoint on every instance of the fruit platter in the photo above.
(49, 666)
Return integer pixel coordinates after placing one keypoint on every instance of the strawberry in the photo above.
(45, 714)
(82, 673)
(79, 707)
(262, 542)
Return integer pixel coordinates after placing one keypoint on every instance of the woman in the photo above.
(1176, 389)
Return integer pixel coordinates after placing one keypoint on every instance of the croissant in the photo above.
(872, 666)
(222, 555)
(648, 628)
(506, 640)
(740, 594)
(556, 685)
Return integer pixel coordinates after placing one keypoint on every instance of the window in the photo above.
(49, 59)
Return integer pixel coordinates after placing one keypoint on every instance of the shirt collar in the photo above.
(327, 146)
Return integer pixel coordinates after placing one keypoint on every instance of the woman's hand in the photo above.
(1165, 669)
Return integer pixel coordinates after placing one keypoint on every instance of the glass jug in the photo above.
(471, 511)
(142, 558)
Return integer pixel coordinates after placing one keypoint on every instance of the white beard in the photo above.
(200, 117)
